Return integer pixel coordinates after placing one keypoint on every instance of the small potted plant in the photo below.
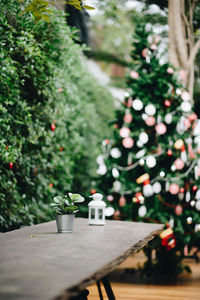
(65, 208)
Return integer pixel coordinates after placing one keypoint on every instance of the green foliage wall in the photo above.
(52, 115)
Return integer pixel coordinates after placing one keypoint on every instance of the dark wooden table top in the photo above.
(37, 263)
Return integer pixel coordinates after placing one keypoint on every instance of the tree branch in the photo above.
(194, 52)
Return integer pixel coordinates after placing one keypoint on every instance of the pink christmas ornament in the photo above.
(170, 70)
(161, 128)
(124, 132)
(185, 96)
(187, 123)
(128, 142)
(192, 117)
(174, 189)
(116, 215)
(150, 121)
(128, 118)
(167, 103)
(110, 198)
(134, 74)
(178, 210)
(185, 250)
(144, 52)
(179, 164)
(122, 201)
(153, 47)
(129, 102)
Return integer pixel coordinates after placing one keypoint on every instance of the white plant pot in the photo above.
(65, 223)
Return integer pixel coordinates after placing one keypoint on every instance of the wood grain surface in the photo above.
(37, 263)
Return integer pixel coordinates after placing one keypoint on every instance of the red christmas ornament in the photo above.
(169, 152)
(178, 210)
(122, 201)
(61, 149)
(168, 239)
(11, 165)
(50, 184)
(167, 103)
(107, 141)
(92, 191)
(35, 171)
(182, 190)
(194, 188)
(53, 127)
(138, 198)
(7, 146)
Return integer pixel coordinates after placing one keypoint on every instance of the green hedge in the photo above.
(44, 82)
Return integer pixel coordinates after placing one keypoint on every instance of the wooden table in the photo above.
(37, 263)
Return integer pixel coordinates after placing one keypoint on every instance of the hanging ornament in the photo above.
(142, 211)
(142, 178)
(178, 144)
(168, 239)
(157, 187)
(187, 196)
(109, 211)
(187, 123)
(197, 228)
(143, 137)
(140, 153)
(185, 96)
(168, 118)
(178, 210)
(100, 159)
(170, 70)
(179, 164)
(150, 121)
(144, 52)
(192, 117)
(173, 168)
(194, 188)
(180, 127)
(153, 47)
(93, 191)
(197, 196)
(162, 174)
(128, 142)
(115, 173)
(129, 102)
(51, 185)
(171, 223)
(186, 106)
(11, 165)
(182, 190)
(141, 162)
(197, 205)
(183, 154)
(124, 132)
(116, 215)
(169, 152)
(196, 128)
(144, 117)
(122, 201)
(53, 127)
(105, 142)
(174, 188)
(126, 94)
(134, 74)
(138, 198)
(192, 203)
(157, 39)
(102, 170)
(130, 159)
(115, 152)
(167, 186)
(167, 103)
(139, 144)
(117, 186)
(185, 250)
(147, 188)
(137, 104)
(128, 118)
(150, 109)
(189, 220)
(150, 161)
(161, 128)
(110, 198)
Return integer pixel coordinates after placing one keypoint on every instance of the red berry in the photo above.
(53, 127)
(11, 165)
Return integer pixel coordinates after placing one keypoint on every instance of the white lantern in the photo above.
(97, 210)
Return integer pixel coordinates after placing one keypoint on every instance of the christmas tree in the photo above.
(150, 170)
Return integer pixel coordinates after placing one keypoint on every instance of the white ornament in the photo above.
(168, 118)
(102, 169)
(197, 228)
(115, 173)
(171, 223)
(151, 161)
(197, 205)
(137, 104)
(185, 96)
(140, 153)
(141, 162)
(142, 211)
(173, 168)
(197, 196)
(100, 159)
(126, 94)
(189, 220)
(109, 211)
(181, 196)
(147, 190)
(187, 196)
(139, 144)
(115, 153)
(192, 203)
(143, 137)
(184, 156)
(186, 106)
(144, 116)
(162, 174)
(178, 92)
(167, 184)
(150, 110)
(196, 130)
(116, 186)
(157, 187)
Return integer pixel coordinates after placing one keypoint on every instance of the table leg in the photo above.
(99, 290)
(82, 296)
(108, 288)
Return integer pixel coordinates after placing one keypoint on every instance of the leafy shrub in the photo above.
(52, 115)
